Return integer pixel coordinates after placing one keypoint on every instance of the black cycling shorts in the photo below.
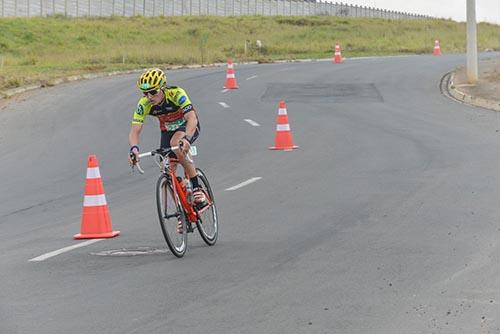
(166, 136)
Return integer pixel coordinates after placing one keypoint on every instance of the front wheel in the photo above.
(207, 217)
(172, 217)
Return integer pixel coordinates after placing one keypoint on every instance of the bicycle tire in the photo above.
(170, 212)
(208, 224)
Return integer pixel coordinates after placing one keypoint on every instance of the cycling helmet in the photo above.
(152, 79)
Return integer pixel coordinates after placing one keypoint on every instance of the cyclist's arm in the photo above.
(133, 139)
(191, 123)
(137, 122)
(182, 100)
(135, 134)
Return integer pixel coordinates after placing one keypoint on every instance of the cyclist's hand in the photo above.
(184, 145)
(133, 156)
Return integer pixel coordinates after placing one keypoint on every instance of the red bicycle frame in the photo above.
(191, 213)
(188, 208)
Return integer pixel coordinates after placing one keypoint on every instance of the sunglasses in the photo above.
(151, 92)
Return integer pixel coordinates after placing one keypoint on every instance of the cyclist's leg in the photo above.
(190, 168)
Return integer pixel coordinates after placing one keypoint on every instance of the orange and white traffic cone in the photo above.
(96, 222)
(283, 140)
(338, 55)
(230, 77)
(437, 48)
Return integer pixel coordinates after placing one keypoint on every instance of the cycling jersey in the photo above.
(170, 112)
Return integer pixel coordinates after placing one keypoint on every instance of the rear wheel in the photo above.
(171, 216)
(207, 217)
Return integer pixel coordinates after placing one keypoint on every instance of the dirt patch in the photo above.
(488, 86)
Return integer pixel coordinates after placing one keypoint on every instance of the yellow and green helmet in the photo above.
(152, 79)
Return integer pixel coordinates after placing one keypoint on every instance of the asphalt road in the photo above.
(385, 220)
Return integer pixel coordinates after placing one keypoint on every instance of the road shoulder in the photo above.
(486, 93)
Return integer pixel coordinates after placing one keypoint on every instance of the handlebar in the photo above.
(162, 153)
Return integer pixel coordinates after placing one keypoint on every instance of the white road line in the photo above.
(223, 104)
(63, 250)
(252, 77)
(252, 123)
(242, 184)
(224, 90)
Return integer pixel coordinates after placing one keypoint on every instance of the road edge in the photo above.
(463, 97)
(5, 94)
(451, 88)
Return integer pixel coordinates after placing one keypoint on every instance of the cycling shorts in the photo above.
(166, 137)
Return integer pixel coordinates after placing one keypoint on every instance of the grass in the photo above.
(40, 49)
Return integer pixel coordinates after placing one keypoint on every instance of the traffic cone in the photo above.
(283, 139)
(338, 55)
(96, 222)
(437, 48)
(230, 78)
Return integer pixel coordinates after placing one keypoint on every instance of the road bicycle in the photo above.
(177, 214)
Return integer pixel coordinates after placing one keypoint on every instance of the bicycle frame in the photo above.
(164, 163)
(188, 208)
(179, 220)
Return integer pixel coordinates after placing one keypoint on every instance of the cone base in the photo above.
(111, 234)
(286, 148)
(230, 83)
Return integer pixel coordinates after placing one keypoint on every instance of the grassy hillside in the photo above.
(35, 49)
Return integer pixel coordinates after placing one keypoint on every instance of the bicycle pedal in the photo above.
(190, 228)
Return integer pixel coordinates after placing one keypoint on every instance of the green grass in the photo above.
(41, 49)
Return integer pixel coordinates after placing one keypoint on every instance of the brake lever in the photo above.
(135, 163)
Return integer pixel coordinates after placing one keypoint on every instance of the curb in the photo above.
(54, 82)
(469, 99)
(460, 96)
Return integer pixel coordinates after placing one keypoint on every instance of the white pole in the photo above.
(471, 42)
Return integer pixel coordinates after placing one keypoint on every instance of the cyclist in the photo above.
(179, 124)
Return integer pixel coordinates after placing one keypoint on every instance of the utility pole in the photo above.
(471, 42)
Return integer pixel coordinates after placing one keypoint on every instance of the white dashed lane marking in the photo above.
(224, 105)
(252, 123)
(63, 250)
(252, 77)
(242, 184)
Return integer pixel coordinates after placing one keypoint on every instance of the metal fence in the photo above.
(78, 8)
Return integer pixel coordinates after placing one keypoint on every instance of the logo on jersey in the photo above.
(182, 99)
(187, 108)
(140, 110)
